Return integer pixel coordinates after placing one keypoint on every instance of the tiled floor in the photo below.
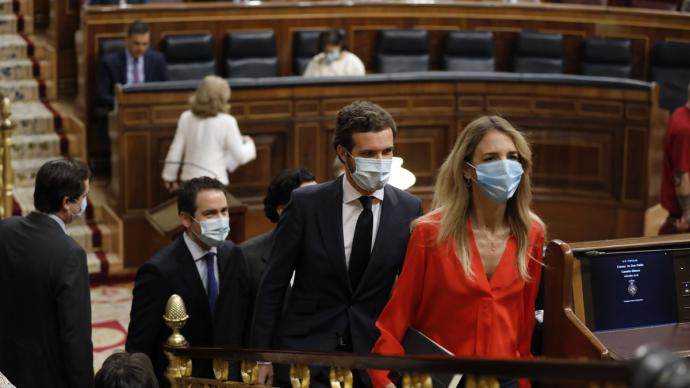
(110, 307)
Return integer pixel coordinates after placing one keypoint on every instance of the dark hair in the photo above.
(126, 370)
(281, 187)
(360, 116)
(186, 198)
(137, 27)
(58, 179)
(334, 37)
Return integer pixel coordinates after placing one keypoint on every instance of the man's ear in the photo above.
(186, 220)
(342, 153)
(66, 202)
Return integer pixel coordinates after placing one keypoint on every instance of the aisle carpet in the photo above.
(110, 305)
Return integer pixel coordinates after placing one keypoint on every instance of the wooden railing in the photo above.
(6, 171)
(416, 370)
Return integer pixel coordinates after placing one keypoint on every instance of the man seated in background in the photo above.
(136, 64)
(189, 267)
(675, 176)
(333, 59)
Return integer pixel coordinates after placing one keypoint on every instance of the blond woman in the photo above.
(208, 141)
(473, 264)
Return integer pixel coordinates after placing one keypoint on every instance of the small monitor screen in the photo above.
(630, 289)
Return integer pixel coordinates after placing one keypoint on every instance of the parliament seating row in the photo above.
(653, 4)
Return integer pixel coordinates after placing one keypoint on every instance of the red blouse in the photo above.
(468, 317)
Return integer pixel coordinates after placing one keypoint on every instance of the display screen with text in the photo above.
(632, 290)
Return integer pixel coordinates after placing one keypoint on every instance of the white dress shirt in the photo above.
(131, 68)
(198, 254)
(352, 208)
(203, 147)
(347, 64)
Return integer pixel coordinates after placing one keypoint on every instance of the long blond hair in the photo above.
(211, 97)
(453, 196)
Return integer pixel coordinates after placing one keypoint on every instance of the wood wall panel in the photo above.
(362, 21)
(590, 160)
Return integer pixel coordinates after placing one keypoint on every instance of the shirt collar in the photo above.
(351, 194)
(197, 252)
(58, 220)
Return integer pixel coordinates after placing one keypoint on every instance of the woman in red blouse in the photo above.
(473, 264)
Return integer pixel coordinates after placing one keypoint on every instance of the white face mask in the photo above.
(214, 231)
(82, 209)
(371, 174)
(331, 56)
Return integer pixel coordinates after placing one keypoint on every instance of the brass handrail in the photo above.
(7, 126)
(480, 372)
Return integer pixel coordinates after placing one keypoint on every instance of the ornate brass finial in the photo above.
(175, 318)
(6, 112)
(249, 370)
(417, 380)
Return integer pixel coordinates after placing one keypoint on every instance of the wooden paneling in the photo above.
(589, 142)
(362, 21)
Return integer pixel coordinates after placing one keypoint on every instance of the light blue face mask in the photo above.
(214, 231)
(82, 208)
(499, 179)
(331, 56)
(371, 174)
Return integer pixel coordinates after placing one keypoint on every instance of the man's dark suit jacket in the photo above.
(45, 324)
(173, 271)
(322, 304)
(113, 70)
(256, 252)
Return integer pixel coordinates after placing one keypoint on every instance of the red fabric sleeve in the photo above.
(536, 251)
(680, 150)
(398, 314)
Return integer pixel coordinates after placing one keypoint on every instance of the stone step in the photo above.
(95, 265)
(20, 91)
(25, 172)
(32, 118)
(16, 69)
(6, 7)
(12, 46)
(8, 24)
(43, 146)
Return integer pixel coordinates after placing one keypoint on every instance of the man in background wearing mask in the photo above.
(45, 324)
(188, 267)
(346, 241)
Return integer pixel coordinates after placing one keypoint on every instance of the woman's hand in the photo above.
(172, 186)
(390, 385)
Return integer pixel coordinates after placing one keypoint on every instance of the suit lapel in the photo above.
(330, 221)
(387, 222)
(190, 274)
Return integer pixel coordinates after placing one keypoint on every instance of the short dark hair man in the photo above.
(45, 326)
(189, 267)
(126, 370)
(134, 65)
(345, 240)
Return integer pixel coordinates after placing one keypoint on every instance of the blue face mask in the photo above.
(214, 231)
(82, 208)
(371, 174)
(331, 56)
(499, 179)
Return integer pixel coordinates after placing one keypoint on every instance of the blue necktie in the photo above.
(212, 284)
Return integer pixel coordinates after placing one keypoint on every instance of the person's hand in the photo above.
(265, 374)
(682, 225)
(390, 385)
(172, 186)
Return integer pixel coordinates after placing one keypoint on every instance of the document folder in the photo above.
(416, 343)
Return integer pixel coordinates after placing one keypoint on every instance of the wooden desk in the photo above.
(594, 175)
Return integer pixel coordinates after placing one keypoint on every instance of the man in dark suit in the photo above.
(45, 324)
(346, 241)
(136, 64)
(189, 267)
(257, 249)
